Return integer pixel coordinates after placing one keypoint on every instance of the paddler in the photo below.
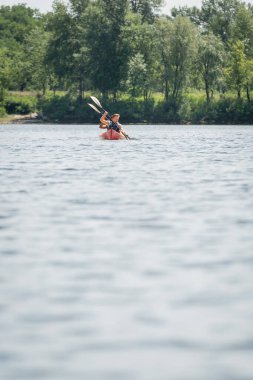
(113, 123)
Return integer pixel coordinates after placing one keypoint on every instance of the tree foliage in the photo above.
(5, 72)
(115, 46)
(147, 8)
(177, 47)
(209, 62)
(137, 75)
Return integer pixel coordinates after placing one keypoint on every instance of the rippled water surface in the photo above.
(126, 259)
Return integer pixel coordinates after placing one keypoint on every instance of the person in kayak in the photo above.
(113, 123)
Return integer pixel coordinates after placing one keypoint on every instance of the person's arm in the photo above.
(123, 132)
(121, 128)
(103, 119)
(102, 126)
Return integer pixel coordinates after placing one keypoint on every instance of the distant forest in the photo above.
(195, 65)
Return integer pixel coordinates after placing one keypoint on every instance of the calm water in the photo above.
(126, 259)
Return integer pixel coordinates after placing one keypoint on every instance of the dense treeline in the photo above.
(128, 53)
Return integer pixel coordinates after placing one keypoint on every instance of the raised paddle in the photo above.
(95, 109)
(97, 102)
(101, 113)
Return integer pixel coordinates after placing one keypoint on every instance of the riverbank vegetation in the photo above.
(194, 66)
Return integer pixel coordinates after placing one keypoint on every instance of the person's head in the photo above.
(115, 117)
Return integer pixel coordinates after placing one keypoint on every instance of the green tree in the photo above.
(78, 7)
(140, 40)
(60, 48)
(106, 48)
(16, 24)
(35, 50)
(193, 13)
(67, 49)
(237, 68)
(209, 62)
(5, 72)
(147, 8)
(249, 77)
(137, 75)
(217, 16)
(177, 46)
(242, 28)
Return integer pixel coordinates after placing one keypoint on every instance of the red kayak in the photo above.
(112, 135)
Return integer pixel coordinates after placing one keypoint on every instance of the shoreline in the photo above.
(34, 119)
(21, 119)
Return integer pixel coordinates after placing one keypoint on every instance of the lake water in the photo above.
(126, 260)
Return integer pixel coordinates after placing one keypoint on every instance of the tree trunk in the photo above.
(248, 92)
(166, 89)
(174, 88)
(80, 89)
(145, 95)
(1, 94)
(207, 91)
(44, 87)
(134, 6)
(239, 93)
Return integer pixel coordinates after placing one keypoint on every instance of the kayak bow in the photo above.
(112, 135)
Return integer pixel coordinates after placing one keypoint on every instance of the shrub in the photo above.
(167, 112)
(194, 110)
(20, 104)
(66, 109)
(223, 111)
(2, 111)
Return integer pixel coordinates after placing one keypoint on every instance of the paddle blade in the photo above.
(93, 107)
(96, 101)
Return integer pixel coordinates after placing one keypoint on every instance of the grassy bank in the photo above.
(20, 119)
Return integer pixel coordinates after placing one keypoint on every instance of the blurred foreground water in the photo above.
(126, 259)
